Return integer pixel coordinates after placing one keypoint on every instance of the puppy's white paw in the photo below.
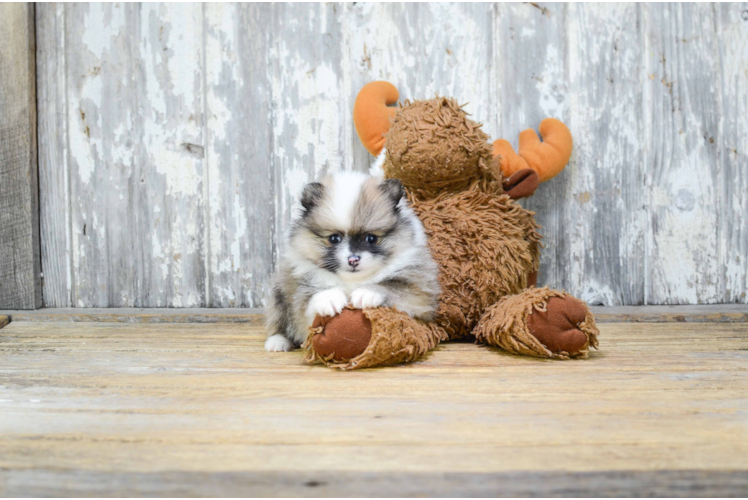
(278, 343)
(362, 298)
(327, 303)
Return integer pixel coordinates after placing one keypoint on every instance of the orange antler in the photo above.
(371, 114)
(547, 158)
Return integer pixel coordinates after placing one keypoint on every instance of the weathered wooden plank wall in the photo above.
(174, 138)
(20, 262)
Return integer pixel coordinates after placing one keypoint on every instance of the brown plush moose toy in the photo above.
(486, 244)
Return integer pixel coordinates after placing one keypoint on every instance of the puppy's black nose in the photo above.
(353, 260)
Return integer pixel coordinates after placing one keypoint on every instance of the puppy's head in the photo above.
(352, 225)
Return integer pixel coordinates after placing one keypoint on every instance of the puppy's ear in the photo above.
(393, 189)
(312, 195)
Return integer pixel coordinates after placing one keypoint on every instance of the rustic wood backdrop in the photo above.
(20, 263)
(173, 138)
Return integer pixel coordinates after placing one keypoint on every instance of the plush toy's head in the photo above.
(433, 147)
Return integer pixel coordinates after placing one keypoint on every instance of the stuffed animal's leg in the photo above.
(364, 338)
(539, 322)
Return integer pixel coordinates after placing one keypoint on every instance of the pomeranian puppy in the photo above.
(356, 242)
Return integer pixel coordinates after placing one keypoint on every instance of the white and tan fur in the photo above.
(382, 258)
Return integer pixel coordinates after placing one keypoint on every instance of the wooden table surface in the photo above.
(119, 409)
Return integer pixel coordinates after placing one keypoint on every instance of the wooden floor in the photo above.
(102, 409)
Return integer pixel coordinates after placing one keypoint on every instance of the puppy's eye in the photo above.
(334, 239)
(371, 239)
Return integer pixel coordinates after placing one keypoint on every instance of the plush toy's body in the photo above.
(486, 244)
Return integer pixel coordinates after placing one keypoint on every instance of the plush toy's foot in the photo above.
(364, 338)
(556, 326)
(343, 336)
(540, 322)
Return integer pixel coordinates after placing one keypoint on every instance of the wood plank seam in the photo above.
(731, 313)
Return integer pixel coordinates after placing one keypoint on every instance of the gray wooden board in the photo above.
(665, 483)
(608, 226)
(174, 139)
(239, 191)
(20, 261)
(733, 160)
(682, 104)
(54, 179)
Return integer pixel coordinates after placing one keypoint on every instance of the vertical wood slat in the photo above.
(239, 176)
(20, 259)
(732, 25)
(682, 127)
(606, 223)
(188, 187)
(54, 181)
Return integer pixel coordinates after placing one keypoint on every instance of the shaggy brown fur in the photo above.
(505, 325)
(434, 149)
(395, 338)
(486, 246)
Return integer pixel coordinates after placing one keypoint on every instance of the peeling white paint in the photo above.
(597, 293)
(552, 95)
(179, 170)
(85, 145)
(100, 24)
(162, 178)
